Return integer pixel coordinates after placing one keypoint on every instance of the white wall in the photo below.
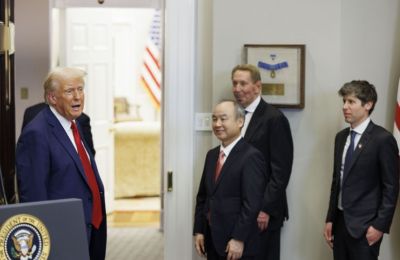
(370, 49)
(203, 101)
(32, 53)
(344, 40)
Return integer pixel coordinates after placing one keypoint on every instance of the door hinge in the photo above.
(7, 35)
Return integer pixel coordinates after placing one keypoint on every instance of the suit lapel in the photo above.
(360, 146)
(62, 137)
(255, 122)
(211, 165)
(340, 149)
(228, 163)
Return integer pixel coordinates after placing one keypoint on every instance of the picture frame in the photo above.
(282, 69)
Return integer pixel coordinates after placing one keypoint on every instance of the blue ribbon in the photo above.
(274, 67)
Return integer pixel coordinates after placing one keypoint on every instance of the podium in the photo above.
(53, 229)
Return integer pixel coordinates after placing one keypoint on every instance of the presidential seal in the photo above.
(24, 237)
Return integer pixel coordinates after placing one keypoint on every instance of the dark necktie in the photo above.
(349, 153)
(220, 163)
(97, 215)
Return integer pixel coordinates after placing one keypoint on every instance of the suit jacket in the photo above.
(371, 184)
(49, 167)
(83, 119)
(233, 202)
(269, 131)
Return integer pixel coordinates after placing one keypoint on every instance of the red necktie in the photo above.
(97, 215)
(218, 168)
(220, 162)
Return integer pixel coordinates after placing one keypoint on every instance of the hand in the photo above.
(262, 220)
(234, 249)
(328, 234)
(199, 244)
(373, 235)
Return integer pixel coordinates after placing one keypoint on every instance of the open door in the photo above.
(89, 46)
(178, 131)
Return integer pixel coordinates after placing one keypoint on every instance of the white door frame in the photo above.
(178, 126)
(178, 118)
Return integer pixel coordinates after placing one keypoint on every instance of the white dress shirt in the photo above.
(249, 114)
(359, 130)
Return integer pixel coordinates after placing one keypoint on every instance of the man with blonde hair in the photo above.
(54, 162)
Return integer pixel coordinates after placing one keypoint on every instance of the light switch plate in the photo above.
(203, 122)
(24, 93)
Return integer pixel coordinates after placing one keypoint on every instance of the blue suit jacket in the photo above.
(83, 120)
(49, 167)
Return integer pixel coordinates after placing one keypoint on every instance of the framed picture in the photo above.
(282, 69)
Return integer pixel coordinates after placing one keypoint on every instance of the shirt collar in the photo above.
(252, 107)
(361, 127)
(65, 123)
(229, 148)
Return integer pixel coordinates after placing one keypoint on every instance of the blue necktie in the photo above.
(349, 153)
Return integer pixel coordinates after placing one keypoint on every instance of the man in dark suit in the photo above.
(53, 162)
(230, 191)
(83, 119)
(365, 182)
(267, 129)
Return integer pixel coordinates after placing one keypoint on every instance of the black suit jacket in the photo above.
(269, 131)
(370, 186)
(233, 202)
(83, 119)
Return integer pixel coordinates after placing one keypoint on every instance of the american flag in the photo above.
(396, 129)
(151, 76)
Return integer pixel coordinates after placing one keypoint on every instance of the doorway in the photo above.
(113, 41)
(181, 85)
(111, 44)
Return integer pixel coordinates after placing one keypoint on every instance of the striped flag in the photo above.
(151, 76)
(396, 129)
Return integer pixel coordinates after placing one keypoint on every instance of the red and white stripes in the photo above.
(151, 76)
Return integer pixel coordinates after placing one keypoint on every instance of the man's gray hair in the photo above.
(239, 111)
